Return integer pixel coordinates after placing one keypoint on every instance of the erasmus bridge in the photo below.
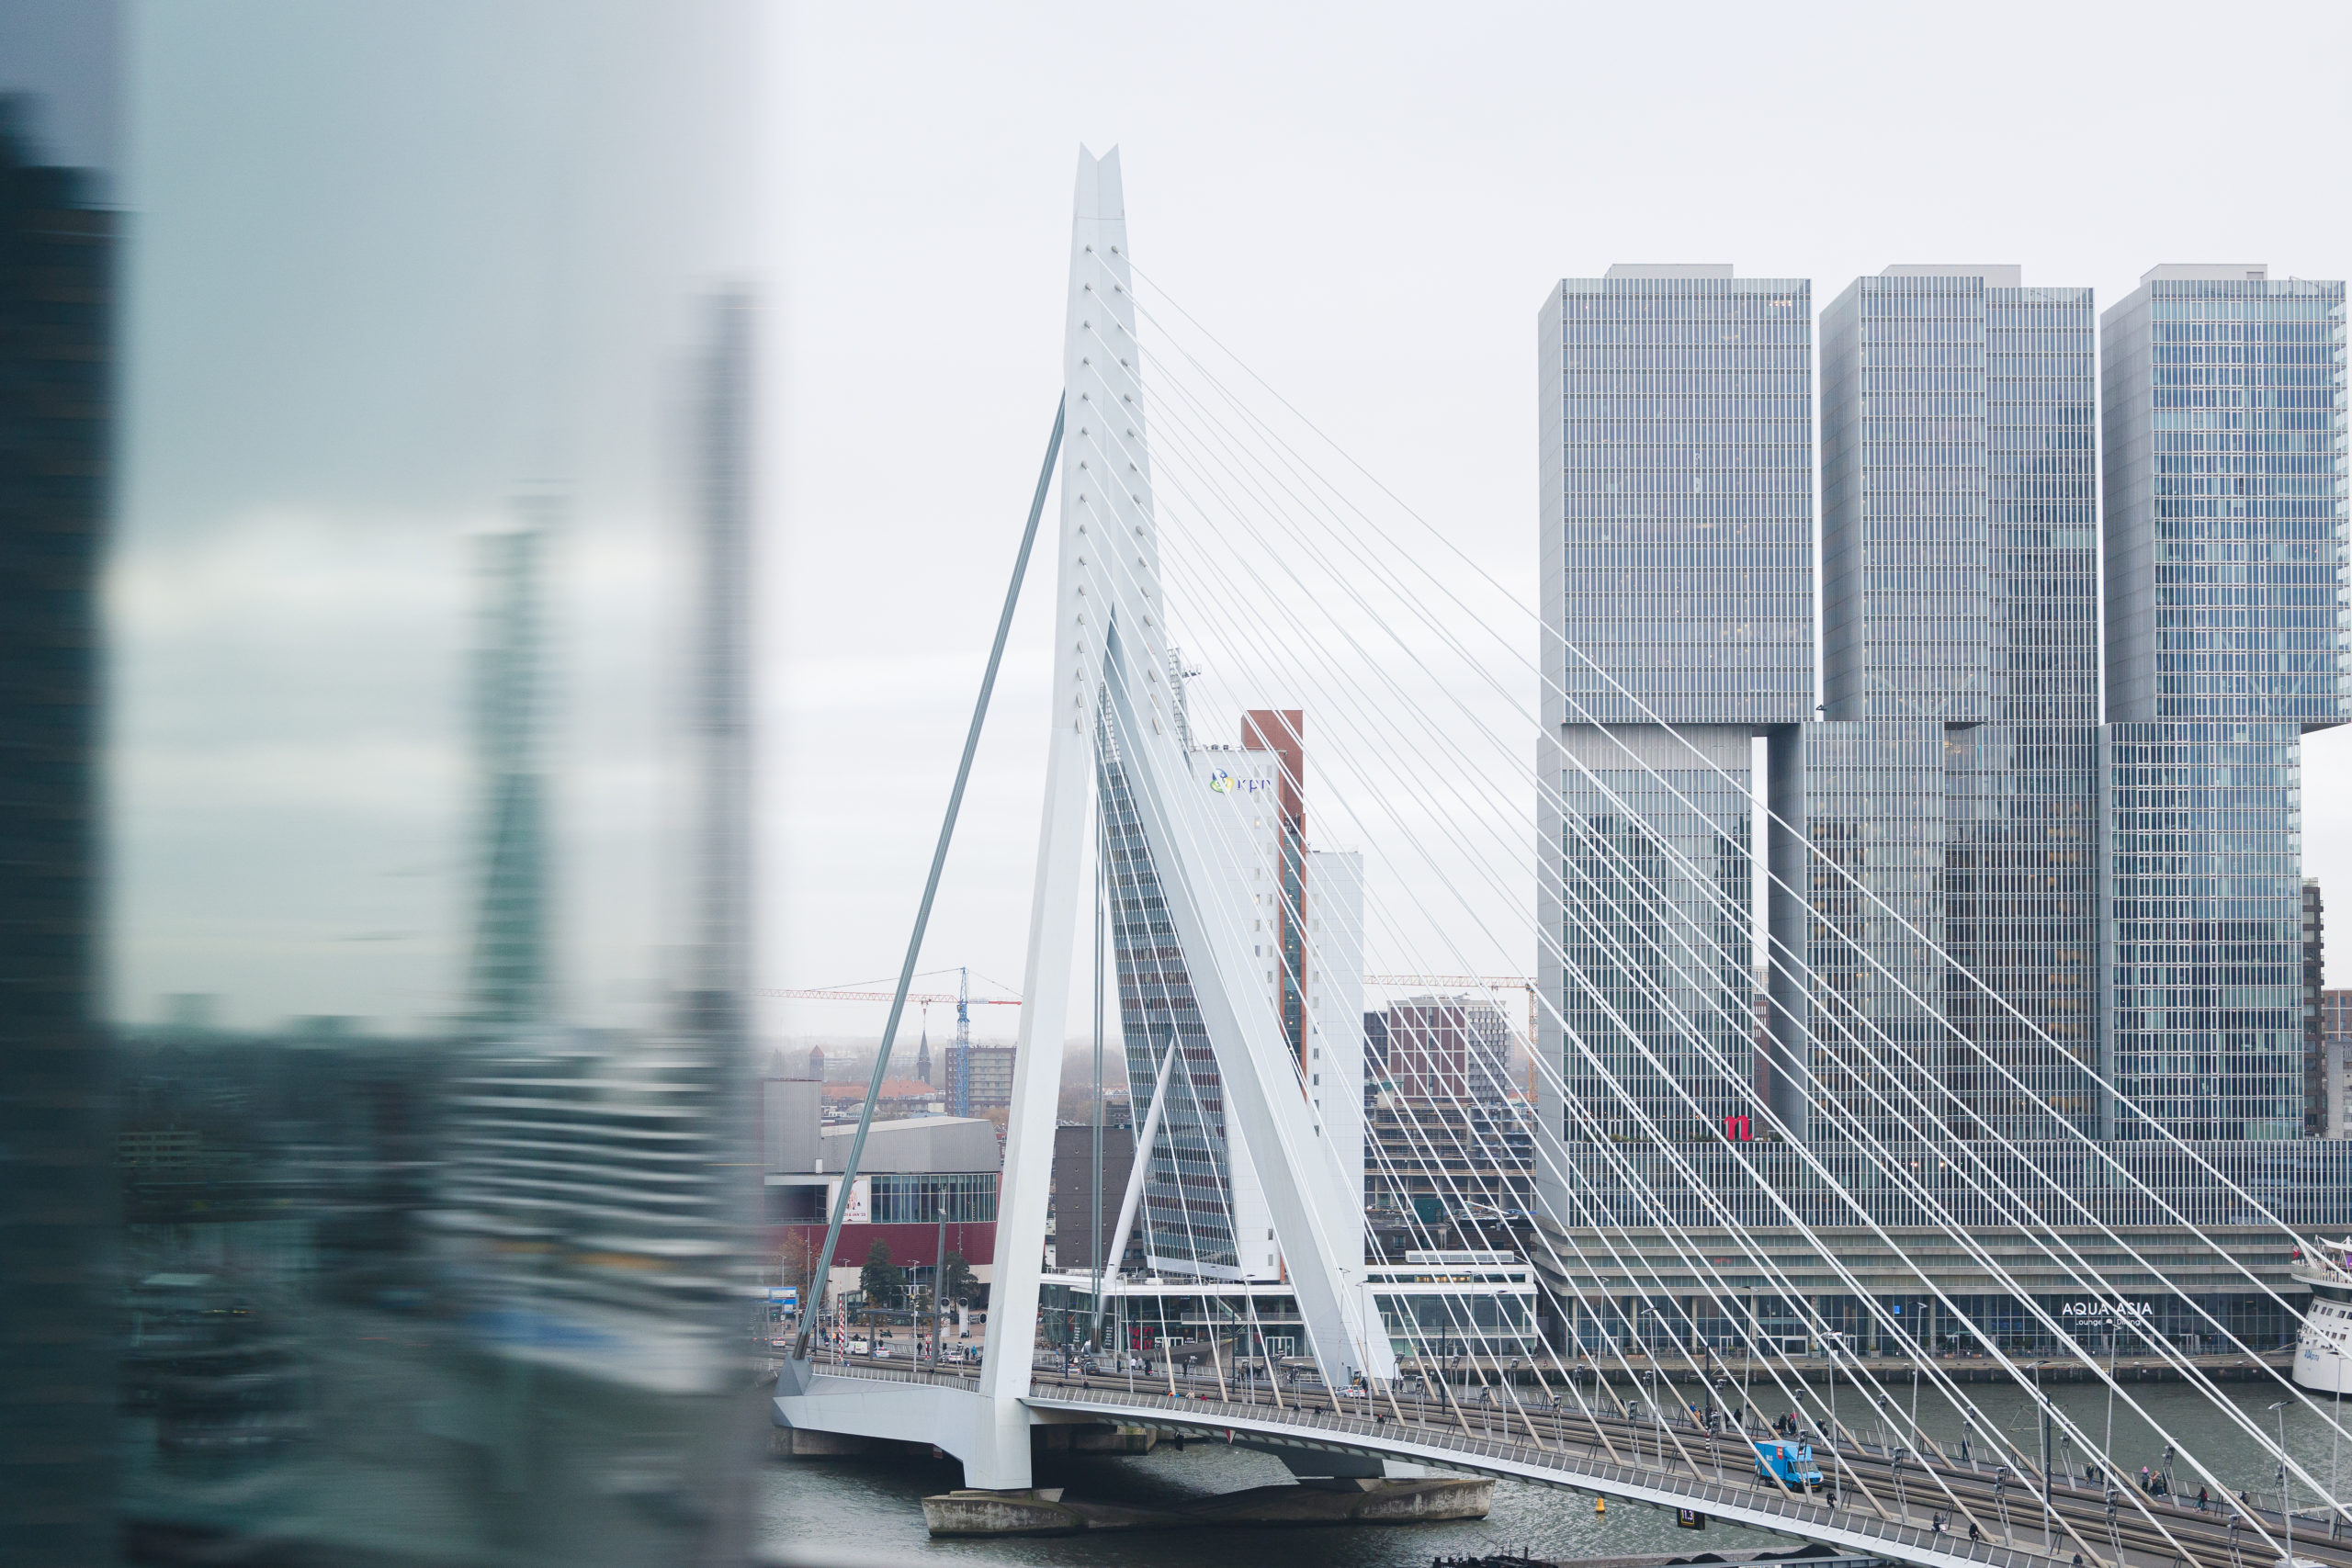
(1234, 541)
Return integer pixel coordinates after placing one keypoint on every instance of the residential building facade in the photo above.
(1203, 1209)
(2223, 449)
(2318, 1093)
(1950, 798)
(2335, 1048)
(1446, 1050)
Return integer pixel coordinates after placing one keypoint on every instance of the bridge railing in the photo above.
(1751, 1498)
(1773, 1501)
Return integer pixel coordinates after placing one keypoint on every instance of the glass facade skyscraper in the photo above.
(1202, 1207)
(2041, 502)
(1956, 779)
(1198, 1195)
(58, 1374)
(2002, 896)
(2020, 889)
(1655, 925)
(1678, 494)
(2204, 916)
(2020, 862)
(1677, 407)
(2225, 394)
(1873, 812)
(1904, 589)
(2010, 879)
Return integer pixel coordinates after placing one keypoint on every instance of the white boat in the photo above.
(2323, 1349)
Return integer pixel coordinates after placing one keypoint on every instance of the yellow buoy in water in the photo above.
(1600, 1504)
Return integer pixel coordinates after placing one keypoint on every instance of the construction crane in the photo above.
(959, 1055)
(1455, 982)
(920, 997)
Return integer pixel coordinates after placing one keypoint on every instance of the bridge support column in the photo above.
(1048, 1511)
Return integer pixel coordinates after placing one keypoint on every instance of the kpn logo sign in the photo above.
(1224, 783)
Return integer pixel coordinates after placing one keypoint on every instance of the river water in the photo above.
(868, 1513)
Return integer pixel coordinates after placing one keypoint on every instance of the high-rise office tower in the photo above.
(2224, 452)
(2020, 862)
(1203, 1211)
(1949, 796)
(58, 1181)
(2008, 888)
(1676, 403)
(510, 980)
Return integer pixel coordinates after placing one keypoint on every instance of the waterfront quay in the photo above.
(2213, 1292)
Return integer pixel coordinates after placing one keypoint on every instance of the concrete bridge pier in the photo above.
(1328, 1500)
(818, 1416)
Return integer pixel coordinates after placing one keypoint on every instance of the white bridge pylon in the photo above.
(1112, 686)
(1110, 668)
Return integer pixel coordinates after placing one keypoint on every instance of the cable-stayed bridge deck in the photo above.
(1886, 1505)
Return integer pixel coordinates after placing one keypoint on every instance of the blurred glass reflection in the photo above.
(389, 1104)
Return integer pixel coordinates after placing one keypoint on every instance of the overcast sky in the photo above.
(389, 265)
(1368, 203)
(388, 268)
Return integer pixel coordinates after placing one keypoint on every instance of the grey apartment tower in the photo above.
(1678, 579)
(1954, 779)
(2224, 394)
(1992, 892)
(2001, 878)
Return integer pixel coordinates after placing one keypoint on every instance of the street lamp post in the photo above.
(1916, 1354)
(938, 1297)
(1658, 1417)
(1723, 1382)
(2041, 1415)
(1831, 1343)
(2107, 1454)
(2286, 1504)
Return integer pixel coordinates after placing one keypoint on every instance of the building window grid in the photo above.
(2226, 401)
(2243, 384)
(1185, 1210)
(1985, 1186)
(2205, 916)
(1685, 414)
(2075, 870)
(968, 1198)
(1652, 954)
